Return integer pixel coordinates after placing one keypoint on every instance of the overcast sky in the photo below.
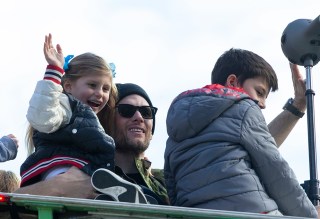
(165, 46)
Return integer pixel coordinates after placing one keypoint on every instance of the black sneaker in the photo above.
(151, 200)
(104, 197)
(109, 183)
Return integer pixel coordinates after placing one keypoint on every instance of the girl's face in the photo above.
(93, 90)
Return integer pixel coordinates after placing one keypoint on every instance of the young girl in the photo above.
(64, 128)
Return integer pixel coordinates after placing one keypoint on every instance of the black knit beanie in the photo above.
(128, 89)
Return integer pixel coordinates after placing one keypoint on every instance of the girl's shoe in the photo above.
(109, 183)
(104, 197)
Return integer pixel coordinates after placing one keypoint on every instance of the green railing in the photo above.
(49, 207)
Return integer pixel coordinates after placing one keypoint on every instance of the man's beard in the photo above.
(125, 145)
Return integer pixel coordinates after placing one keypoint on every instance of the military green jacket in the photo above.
(154, 178)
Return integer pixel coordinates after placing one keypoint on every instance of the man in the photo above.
(134, 127)
(132, 132)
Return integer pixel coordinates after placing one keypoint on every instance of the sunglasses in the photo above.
(128, 110)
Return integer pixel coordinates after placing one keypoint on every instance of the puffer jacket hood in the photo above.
(220, 155)
(187, 109)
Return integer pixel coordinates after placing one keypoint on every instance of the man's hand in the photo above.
(74, 184)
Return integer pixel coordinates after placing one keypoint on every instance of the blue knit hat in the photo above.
(129, 89)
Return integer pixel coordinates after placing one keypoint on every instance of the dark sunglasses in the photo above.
(128, 110)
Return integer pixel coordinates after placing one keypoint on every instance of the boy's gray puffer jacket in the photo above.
(220, 155)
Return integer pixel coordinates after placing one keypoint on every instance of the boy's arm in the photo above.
(8, 149)
(281, 126)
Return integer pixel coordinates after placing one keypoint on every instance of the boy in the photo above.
(220, 154)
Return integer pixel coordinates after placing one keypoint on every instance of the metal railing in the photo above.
(49, 207)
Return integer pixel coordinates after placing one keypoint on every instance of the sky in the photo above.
(165, 46)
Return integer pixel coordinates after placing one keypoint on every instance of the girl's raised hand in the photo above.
(54, 56)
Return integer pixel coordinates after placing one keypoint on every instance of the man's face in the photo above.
(133, 134)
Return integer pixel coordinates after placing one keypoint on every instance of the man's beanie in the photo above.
(128, 89)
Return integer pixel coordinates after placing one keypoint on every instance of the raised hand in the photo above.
(299, 88)
(14, 138)
(54, 56)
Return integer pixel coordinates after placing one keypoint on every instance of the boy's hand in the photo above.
(15, 140)
(52, 55)
(299, 88)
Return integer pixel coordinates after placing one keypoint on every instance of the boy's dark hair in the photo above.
(244, 64)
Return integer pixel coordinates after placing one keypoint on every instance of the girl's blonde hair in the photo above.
(79, 66)
(9, 182)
